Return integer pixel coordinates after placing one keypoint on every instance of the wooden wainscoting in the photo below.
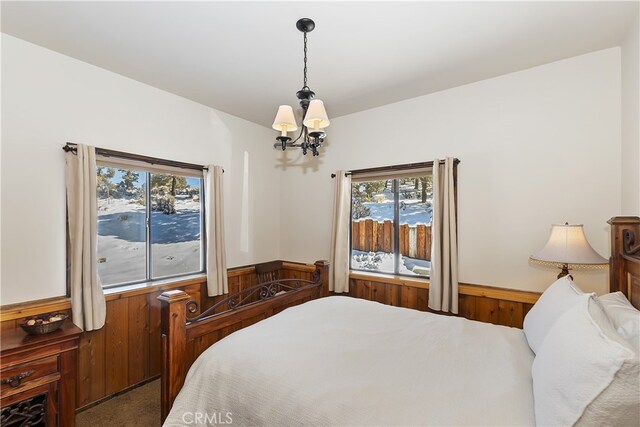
(126, 351)
(483, 303)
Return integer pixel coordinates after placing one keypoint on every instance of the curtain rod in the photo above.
(72, 147)
(395, 167)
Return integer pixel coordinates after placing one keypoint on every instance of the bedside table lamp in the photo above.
(568, 248)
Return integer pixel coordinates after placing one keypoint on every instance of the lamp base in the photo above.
(565, 272)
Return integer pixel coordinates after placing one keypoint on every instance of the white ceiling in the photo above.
(245, 58)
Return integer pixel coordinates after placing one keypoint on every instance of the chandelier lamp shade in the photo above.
(314, 115)
(285, 120)
(568, 248)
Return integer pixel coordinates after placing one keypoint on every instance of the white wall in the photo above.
(49, 99)
(631, 121)
(537, 147)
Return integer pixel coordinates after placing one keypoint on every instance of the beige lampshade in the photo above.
(567, 244)
(316, 117)
(285, 120)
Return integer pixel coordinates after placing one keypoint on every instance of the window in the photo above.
(150, 224)
(391, 222)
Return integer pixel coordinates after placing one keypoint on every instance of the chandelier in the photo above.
(314, 116)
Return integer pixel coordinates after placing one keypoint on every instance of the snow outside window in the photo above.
(391, 225)
(150, 225)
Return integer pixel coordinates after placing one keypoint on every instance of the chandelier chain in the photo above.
(309, 140)
(305, 61)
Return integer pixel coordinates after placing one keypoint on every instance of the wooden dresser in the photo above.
(38, 377)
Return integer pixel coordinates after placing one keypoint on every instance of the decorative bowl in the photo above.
(41, 324)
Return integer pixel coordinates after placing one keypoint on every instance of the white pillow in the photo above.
(557, 299)
(624, 316)
(585, 373)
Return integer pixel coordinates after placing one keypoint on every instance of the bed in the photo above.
(345, 361)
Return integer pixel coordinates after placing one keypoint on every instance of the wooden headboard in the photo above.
(624, 264)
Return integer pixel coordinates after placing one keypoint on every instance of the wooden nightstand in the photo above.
(38, 374)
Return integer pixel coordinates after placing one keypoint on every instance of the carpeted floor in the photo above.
(138, 407)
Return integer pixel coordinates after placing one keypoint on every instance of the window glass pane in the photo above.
(415, 204)
(175, 225)
(372, 211)
(121, 225)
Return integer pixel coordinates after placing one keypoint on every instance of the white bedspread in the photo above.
(347, 361)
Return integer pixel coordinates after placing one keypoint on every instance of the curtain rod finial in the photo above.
(69, 147)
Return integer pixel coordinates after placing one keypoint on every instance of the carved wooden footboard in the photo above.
(184, 338)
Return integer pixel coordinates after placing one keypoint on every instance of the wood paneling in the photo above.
(127, 351)
(486, 310)
(117, 345)
(379, 292)
(361, 289)
(510, 313)
(467, 306)
(138, 311)
(392, 295)
(409, 297)
(483, 303)
(91, 367)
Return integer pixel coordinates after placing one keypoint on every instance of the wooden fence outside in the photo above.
(374, 236)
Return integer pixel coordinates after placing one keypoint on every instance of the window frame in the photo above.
(395, 173)
(154, 169)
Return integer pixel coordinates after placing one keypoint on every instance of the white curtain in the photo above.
(87, 299)
(339, 267)
(216, 251)
(443, 283)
